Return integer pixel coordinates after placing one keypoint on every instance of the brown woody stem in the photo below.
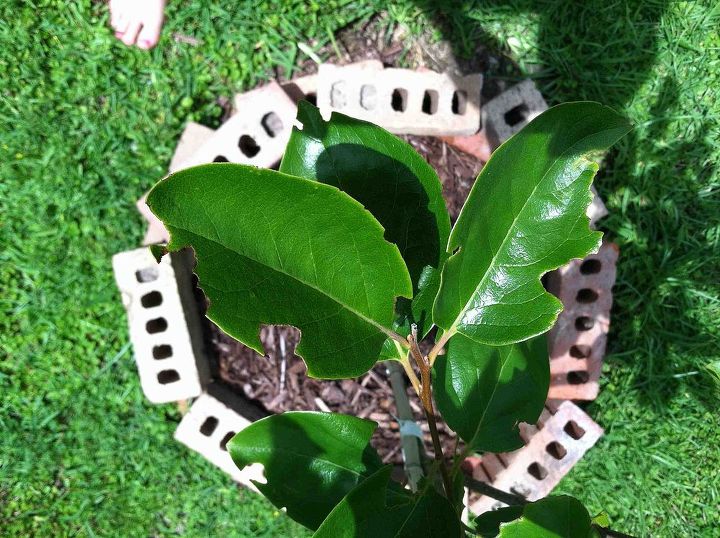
(426, 399)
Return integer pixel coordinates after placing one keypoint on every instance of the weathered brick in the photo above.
(209, 425)
(577, 341)
(163, 323)
(256, 134)
(401, 100)
(536, 468)
(476, 145)
(506, 114)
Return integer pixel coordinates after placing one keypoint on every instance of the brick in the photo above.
(510, 111)
(256, 134)
(577, 341)
(209, 425)
(476, 145)
(401, 100)
(549, 455)
(164, 324)
(191, 140)
(302, 88)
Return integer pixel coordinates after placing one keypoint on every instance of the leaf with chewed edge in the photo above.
(277, 249)
(525, 216)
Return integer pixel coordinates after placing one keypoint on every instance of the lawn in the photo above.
(87, 125)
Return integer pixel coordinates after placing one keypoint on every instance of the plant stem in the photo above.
(437, 348)
(411, 445)
(426, 398)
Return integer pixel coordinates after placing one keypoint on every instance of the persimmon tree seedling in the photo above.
(351, 243)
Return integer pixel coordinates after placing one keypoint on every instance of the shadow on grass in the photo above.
(659, 213)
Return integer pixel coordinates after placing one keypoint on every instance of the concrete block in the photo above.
(548, 456)
(510, 111)
(206, 429)
(256, 134)
(577, 341)
(401, 100)
(164, 324)
(302, 88)
(191, 140)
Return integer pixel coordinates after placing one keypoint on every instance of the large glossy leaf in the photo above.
(387, 176)
(559, 516)
(364, 513)
(483, 391)
(312, 460)
(277, 249)
(524, 217)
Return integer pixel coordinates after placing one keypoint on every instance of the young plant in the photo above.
(350, 242)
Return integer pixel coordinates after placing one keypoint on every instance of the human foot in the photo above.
(137, 22)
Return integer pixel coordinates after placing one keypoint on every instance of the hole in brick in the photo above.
(221, 159)
(368, 96)
(168, 376)
(574, 430)
(248, 146)
(580, 351)
(399, 100)
(516, 115)
(584, 323)
(520, 489)
(311, 98)
(163, 351)
(459, 102)
(208, 427)
(226, 440)
(338, 94)
(272, 124)
(590, 267)
(556, 450)
(149, 300)
(586, 295)
(577, 377)
(147, 275)
(430, 102)
(537, 471)
(156, 325)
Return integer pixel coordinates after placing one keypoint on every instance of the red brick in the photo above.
(549, 455)
(577, 341)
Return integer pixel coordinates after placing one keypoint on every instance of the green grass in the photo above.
(88, 125)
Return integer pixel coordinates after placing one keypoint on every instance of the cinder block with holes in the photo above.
(551, 451)
(513, 109)
(402, 100)
(206, 429)
(256, 134)
(577, 341)
(164, 324)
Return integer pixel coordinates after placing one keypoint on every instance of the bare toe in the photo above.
(149, 34)
(130, 35)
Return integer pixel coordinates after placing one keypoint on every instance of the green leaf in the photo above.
(312, 460)
(559, 516)
(364, 513)
(387, 176)
(277, 249)
(524, 217)
(483, 391)
(488, 524)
